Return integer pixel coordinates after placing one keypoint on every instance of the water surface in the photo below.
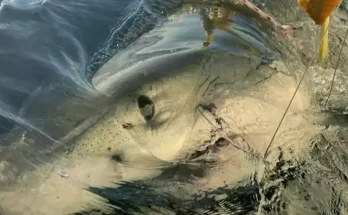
(52, 88)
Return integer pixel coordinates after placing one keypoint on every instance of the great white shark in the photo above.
(174, 104)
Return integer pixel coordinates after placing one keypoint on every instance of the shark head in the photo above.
(173, 105)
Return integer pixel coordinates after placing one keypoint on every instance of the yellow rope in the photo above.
(324, 46)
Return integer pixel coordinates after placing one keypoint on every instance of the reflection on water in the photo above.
(179, 125)
(215, 19)
(230, 22)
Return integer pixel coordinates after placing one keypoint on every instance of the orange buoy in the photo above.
(318, 10)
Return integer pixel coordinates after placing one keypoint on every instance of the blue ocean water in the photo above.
(50, 50)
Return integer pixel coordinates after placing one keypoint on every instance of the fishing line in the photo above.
(297, 88)
(336, 67)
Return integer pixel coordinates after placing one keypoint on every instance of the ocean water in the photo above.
(51, 52)
(51, 48)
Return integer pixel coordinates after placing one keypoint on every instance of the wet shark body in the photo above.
(126, 141)
(186, 134)
(289, 185)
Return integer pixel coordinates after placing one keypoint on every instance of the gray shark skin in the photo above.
(184, 131)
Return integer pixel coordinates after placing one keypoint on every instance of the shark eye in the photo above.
(146, 107)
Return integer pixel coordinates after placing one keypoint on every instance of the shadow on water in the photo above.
(136, 197)
(165, 194)
(288, 183)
